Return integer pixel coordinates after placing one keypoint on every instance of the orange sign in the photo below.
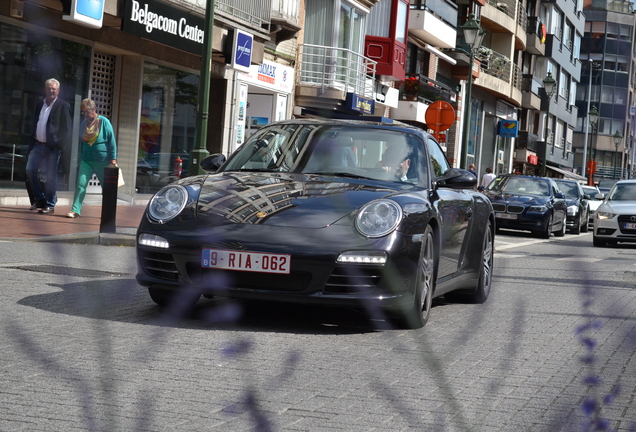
(440, 116)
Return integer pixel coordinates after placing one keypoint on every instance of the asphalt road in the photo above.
(83, 348)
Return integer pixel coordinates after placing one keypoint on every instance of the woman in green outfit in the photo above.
(97, 149)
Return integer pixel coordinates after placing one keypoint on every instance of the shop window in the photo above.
(27, 59)
(167, 126)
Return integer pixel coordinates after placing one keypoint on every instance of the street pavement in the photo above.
(18, 222)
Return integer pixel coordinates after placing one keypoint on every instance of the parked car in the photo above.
(577, 218)
(528, 203)
(615, 219)
(331, 212)
(605, 185)
(594, 202)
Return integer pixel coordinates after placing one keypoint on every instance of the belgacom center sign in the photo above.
(161, 23)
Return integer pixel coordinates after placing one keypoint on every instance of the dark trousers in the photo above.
(41, 171)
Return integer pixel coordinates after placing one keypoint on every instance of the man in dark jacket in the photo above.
(51, 132)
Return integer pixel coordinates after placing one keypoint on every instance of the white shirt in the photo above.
(40, 129)
(487, 178)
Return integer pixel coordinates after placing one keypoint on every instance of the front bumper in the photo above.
(614, 229)
(536, 222)
(314, 276)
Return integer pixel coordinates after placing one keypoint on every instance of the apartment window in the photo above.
(564, 84)
(573, 90)
(558, 134)
(626, 33)
(556, 23)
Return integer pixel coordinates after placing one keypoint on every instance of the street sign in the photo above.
(440, 116)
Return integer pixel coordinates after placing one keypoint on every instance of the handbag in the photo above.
(120, 179)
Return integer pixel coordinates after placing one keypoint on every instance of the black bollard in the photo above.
(109, 200)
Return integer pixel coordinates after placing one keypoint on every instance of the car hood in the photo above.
(517, 199)
(619, 207)
(292, 200)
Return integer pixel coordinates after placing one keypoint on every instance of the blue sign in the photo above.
(359, 103)
(508, 128)
(242, 51)
(89, 13)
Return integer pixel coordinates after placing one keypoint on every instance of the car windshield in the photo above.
(591, 191)
(569, 189)
(350, 151)
(623, 192)
(520, 185)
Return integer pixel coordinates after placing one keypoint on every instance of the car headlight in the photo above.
(538, 209)
(378, 218)
(573, 210)
(605, 215)
(168, 203)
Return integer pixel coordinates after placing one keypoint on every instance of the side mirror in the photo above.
(457, 178)
(213, 162)
(559, 195)
(586, 196)
(599, 196)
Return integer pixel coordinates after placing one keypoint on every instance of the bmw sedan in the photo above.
(578, 205)
(615, 219)
(527, 203)
(330, 212)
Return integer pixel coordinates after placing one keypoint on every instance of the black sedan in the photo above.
(528, 203)
(341, 213)
(578, 208)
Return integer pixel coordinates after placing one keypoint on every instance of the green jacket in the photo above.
(104, 149)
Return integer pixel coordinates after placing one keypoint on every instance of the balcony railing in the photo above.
(337, 68)
(255, 14)
(506, 6)
(444, 9)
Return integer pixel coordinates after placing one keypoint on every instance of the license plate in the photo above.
(505, 216)
(629, 226)
(246, 261)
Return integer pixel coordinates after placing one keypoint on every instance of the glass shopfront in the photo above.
(167, 126)
(27, 59)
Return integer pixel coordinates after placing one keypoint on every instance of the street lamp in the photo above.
(473, 35)
(592, 115)
(618, 138)
(549, 86)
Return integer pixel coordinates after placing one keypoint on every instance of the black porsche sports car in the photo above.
(332, 212)
(528, 203)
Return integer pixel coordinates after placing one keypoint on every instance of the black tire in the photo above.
(545, 234)
(165, 297)
(418, 314)
(585, 226)
(482, 291)
(598, 242)
(561, 232)
(576, 229)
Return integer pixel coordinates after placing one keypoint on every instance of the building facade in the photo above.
(141, 65)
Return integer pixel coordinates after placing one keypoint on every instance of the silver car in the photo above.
(615, 219)
(594, 202)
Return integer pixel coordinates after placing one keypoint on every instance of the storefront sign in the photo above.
(508, 128)
(89, 13)
(242, 51)
(165, 24)
(359, 103)
(270, 75)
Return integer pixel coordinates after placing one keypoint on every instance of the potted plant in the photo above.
(410, 87)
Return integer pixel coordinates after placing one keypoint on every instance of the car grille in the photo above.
(498, 207)
(515, 209)
(626, 219)
(159, 265)
(296, 281)
(350, 280)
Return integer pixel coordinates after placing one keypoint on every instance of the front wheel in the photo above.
(418, 314)
(598, 242)
(561, 232)
(548, 229)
